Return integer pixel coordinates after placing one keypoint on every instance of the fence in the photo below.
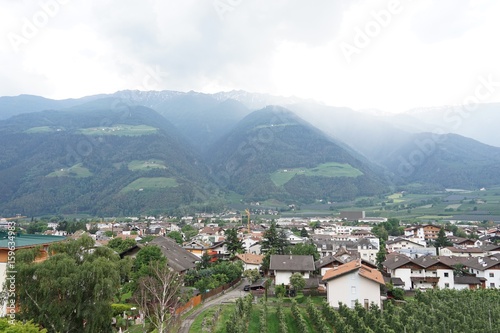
(196, 300)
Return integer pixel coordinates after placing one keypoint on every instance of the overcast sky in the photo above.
(388, 55)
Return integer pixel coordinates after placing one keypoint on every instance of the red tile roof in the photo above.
(364, 271)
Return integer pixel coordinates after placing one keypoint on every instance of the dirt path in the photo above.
(229, 296)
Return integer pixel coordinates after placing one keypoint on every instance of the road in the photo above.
(229, 296)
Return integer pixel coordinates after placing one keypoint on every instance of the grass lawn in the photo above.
(197, 323)
(77, 171)
(144, 183)
(145, 165)
(40, 129)
(125, 130)
(331, 169)
(254, 322)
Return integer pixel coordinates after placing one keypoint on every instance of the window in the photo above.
(445, 274)
(353, 290)
(353, 303)
(492, 274)
(492, 285)
(447, 285)
(367, 304)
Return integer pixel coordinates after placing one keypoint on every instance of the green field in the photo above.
(331, 169)
(145, 165)
(124, 130)
(144, 183)
(42, 129)
(76, 170)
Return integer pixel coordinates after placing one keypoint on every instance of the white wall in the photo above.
(405, 275)
(352, 287)
(443, 279)
(282, 277)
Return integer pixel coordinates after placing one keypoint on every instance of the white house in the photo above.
(399, 243)
(250, 261)
(353, 282)
(485, 268)
(283, 266)
(367, 250)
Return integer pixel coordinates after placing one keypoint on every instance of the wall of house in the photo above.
(405, 275)
(350, 288)
(284, 277)
(443, 279)
(368, 254)
(369, 290)
(343, 289)
(461, 286)
(250, 266)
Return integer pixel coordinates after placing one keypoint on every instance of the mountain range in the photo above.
(162, 151)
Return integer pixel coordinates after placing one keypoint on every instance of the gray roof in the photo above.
(326, 261)
(467, 279)
(426, 261)
(294, 263)
(366, 242)
(395, 261)
(178, 258)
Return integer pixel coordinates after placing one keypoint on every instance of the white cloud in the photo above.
(428, 53)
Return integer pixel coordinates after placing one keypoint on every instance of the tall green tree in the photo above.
(177, 236)
(233, 243)
(304, 249)
(441, 240)
(381, 255)
(274, 240)
(297, 281)
(71, 291)
(120, 245)
(303, 232)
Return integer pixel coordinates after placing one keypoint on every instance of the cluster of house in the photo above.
(346, 269)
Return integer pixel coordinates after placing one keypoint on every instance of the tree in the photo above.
(120, 245)
(274, 240)
(158, 296)
(233, 243)
(441, 240)
(72, 290)
(205, 260)
(147, 255)
(304, 233)
(19, 327)
(252, 274)
(381, 255)
(304, 249)
(177, 236)
(297, 281)
(189, 231)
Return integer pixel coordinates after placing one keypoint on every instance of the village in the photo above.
(349, 263)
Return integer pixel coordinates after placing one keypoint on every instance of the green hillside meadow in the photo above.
(330, 169)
